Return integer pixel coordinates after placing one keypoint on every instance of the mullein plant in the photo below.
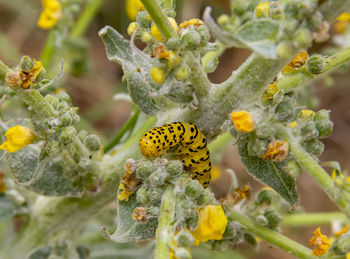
(72, 177)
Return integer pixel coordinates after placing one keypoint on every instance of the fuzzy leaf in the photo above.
(259, 35)
(41, 253)
(7, 208)
(45, 178)
(128, 229)
(118, 49)
(269, 173)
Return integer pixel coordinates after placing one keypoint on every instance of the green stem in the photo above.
(165, 229)
(86, 17)
(48, 49)
(159, 18)
(307, 219)
(302, 76)
(126, 127)
(272, 237)
(306, 161)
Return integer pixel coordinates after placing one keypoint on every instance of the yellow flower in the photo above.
(50, 15)
(158, 75)
(17, 138)
(306, 114)
(292, 124)
(320, 241)
(195, 22)
(243, 121)
(342, 231)
(157, 34)
(29, 77)
(161, 53)
(298, 61)
(262, 9)
(277, 151)
(131, 28)
(344, 17)
(133, 7)
(212, 224)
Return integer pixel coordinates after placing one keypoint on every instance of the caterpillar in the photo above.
(192, 147)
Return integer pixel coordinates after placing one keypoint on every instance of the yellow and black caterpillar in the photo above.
(192, 150)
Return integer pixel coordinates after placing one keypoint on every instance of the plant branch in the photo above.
(306, 161)
(307, 219)
(86, 17)
(271, 236)
(303, 75)
(159, 18)
(48, 49)
(165, 229)
(126, 127)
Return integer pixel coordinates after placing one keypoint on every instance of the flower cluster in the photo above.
(50, 15)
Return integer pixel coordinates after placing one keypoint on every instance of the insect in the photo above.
(192, 147)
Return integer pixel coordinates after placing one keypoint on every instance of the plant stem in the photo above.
(307, 219)
(126, 127)
(303, 75)
(165, 229)
(159, 18)
(85, 18)
(48, 49)
(306, 161)
(271, 236)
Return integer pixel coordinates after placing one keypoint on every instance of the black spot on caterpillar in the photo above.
(192, 150)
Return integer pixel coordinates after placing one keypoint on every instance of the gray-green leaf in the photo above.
(269, 173)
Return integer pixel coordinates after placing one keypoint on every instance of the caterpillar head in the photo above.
(148, 147)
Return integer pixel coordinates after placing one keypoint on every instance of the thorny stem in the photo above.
(303, 75)
(165, 229)
(86, 17)
(159, 18)
(126, 127)
(271, 236)
(307, 219)
(306, 161)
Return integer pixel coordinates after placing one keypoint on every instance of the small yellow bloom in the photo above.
(243, 121)
(140, 215)
(131, 28)
(298, 61)
(133, 7)
(158, 75)
(262, 9)
(212, 224)
(306, 114)
(195, 22)
(342, 231)
(292, 124)
(320, 241)
(344, 17)
(340, 27)
(17, 138)
(50, 15)
(277, 151)
(29, 77)
(161, 53)
(269, 92)
(157, 34)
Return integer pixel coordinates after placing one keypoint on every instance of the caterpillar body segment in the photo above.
(192, 147)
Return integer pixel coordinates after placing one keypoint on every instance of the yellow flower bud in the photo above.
(306, 114)
(17, 138)
(158, 75)
(131, 28)
(298, 61)
(262, 9)
(243, 121)
(194, 21)
(271, 90)
(345, 17)
(320, 241)
(157, 34)
(50, 15)
(277, 151)
(292, 124)
(132, 8)
(212, 224)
